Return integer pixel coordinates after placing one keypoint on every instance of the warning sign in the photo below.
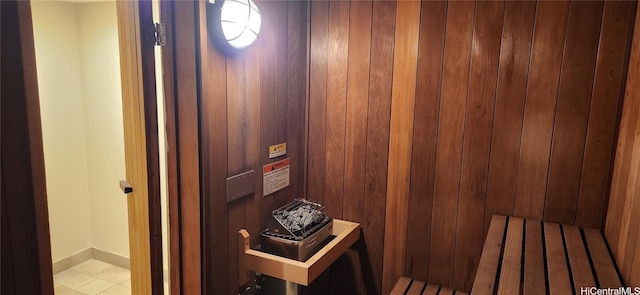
(277, 150)
(276, 176)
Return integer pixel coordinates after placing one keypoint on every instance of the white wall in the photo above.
(62, 111)
(78, 74)
(98, 35)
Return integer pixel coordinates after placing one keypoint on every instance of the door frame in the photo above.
(26, 237)
(26, 246)
(180, 64)
(139, 105)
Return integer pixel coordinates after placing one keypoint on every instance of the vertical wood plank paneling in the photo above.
(251, 122)
(237, 155)
(601, 131)
(267, 102)
(295, 98)
(623, 166)
(476, 119)
(302, 66)
(401, 129)
(485, 54)
(190, 166)
(542, 90)
(425, 130)
(630, 221)
(281, 84)
(336, 107)
(622, 177)
(450, 135)
(357, 101)
(356, 123)
(378, 118)
(318, 99)
(249, 101)
(515, 53)
(629, 265)
(572, 111)
(634, 278)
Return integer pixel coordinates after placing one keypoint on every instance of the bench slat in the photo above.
(488, 267)
(558, 273)
(605, 270)
(410, 286)
(430, 290)
(558, 259)
(416, 288)
(512, 258)
(533, 259)
(401, 286)
(580, 268)
(445, 291)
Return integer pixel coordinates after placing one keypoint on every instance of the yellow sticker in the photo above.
(277, 150)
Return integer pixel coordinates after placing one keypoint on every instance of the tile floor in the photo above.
(93, 277)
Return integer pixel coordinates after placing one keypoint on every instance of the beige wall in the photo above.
(98, 34)
(78, 73)
(63, 121)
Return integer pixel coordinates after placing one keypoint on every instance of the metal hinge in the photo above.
(160, 34)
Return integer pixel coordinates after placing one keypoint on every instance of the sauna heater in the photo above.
(296, 231)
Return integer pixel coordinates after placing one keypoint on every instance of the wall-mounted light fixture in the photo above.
(234, 24)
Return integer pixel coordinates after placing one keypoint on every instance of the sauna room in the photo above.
(417, 122)
(409, 147)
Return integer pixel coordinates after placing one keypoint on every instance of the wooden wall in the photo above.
(247, 103)
(425, 118)
(623, 219)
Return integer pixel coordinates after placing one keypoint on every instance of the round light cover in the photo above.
(240, 21)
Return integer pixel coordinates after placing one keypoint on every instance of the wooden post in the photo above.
(243, 245)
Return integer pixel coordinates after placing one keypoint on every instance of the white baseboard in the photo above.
(111, 258)
(69, 262)
(87, 254)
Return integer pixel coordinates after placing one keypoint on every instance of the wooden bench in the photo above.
(414, 287)
(532, 257)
